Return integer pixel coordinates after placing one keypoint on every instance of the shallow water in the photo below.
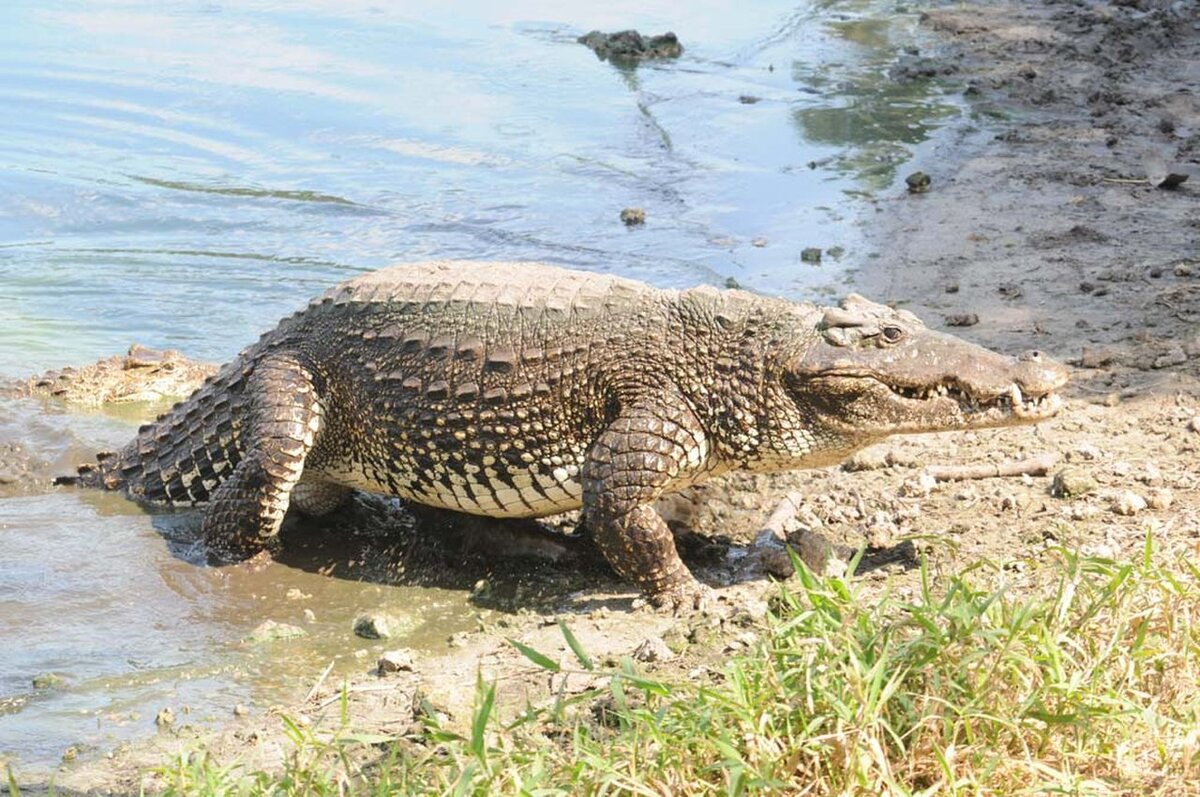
(182, 176)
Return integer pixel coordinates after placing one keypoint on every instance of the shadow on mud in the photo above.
(506, 565)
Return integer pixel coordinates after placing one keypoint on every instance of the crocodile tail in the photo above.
(181, 457)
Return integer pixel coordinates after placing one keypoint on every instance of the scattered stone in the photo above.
(811, 254)
(1010, 290)
(1173, 356)
(47, 680)
(165, 718)
(400, 660)
(918, 182)
(1151, 475)
(1183, 270)
(962, 320)
(759, 242)
(271, 631)
(633, 217)
(1098, 357)
(909, 68)
(1072, 483)
(1194, 424)
(379, 625)
(952, 287)
(836, 252)
(240, 710)
(630, 47)
(295, 594)
(919, 486)
(1087, 451)
(1160, 498)
(866, 459)
(732, 284)
(1171, 181)
(748, 99)
(1128, 503)
(653, 649)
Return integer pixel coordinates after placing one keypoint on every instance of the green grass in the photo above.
(1089, 685)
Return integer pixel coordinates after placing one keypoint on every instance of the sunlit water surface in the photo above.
(183, 174)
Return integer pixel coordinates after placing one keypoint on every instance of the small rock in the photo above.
(1010, 290)
(1072, 483)
(919, 486)
(962, 320)
(400, 660)
(1087, 451)
(271, 631)
(733, 284)
(811, 254)
(759, 242)
(1171, 357)
(1122, 468)
(952, 287)
(1194, 424)
(866, 459)
(1128, 503)
(377, 625)
(918, 182)
(310, 616)
(47, 680)
(748, 99)
(653, 649)
(633, 217)
(1097, 357)
(295, 594)
(836, 252)
(1183, 270)
(240, 710)
(1160, 498)
(165, 718)
(1151, 475)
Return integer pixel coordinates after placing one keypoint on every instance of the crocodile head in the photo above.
(874, 371)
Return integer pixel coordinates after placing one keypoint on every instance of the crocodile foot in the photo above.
(684, 597)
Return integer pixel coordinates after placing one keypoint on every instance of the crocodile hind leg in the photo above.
(643, 452)
(282, 418)
(317, 497)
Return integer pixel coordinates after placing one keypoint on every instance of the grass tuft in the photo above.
(1089, 685)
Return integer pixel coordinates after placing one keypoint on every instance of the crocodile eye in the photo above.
(892, 334)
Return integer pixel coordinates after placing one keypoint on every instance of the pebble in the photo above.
(632, 217)
(271, 631)
(374, 625)
(400, 660)
(240, 710)
(811, 254)
(1194, 424)
(1088, 451)
(1160, 498)
(1072, 483)
(1171, 357)
(165, 718)
(1128, 503)
(653, 649)
(1151, 475)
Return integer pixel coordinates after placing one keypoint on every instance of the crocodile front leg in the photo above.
(648, 448)
(283, 417)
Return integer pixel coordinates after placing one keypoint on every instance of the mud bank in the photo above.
(1043, 221)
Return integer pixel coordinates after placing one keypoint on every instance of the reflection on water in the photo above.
(183, 175)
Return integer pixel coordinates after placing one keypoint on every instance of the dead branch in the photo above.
(1033, 466)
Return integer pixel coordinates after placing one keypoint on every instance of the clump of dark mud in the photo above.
(630, 47)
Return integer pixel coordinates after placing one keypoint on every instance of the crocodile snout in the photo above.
(1037, 374)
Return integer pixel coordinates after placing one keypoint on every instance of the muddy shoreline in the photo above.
(1039, 221)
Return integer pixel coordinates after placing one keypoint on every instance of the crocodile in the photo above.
(140, 375)
(522, 390)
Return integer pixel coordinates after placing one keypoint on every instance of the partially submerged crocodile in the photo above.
(524, 390)
(140, 375)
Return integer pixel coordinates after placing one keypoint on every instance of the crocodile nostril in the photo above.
(1032, 356)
